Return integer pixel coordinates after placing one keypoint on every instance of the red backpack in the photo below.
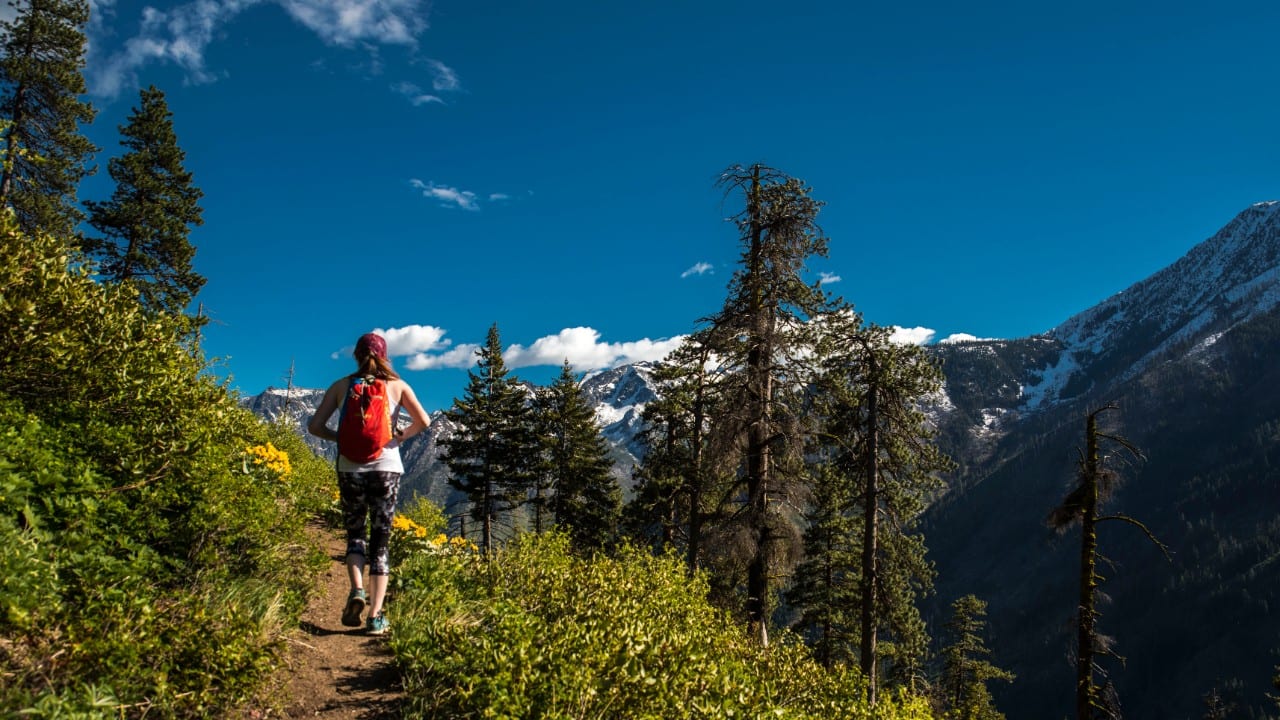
(364, 424)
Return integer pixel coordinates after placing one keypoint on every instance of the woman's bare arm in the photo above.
(332, 397)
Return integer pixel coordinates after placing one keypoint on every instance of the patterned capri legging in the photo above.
(369, 503)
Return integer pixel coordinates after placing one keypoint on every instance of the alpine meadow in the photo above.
(670, 472)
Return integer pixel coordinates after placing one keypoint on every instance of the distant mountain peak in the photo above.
(1225, 280)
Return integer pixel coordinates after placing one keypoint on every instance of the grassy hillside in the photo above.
(151, 531)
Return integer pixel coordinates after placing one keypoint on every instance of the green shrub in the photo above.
(148, 560)
(542, 633)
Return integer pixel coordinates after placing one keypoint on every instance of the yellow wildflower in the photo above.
(271, 457)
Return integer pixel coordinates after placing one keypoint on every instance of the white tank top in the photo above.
(387, 461)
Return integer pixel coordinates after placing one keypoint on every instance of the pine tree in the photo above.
(585, 497)
(41, 81)
(1097, 481)
(760, 331)
(825, 590)
(678, 482)
(493, 457)
(146, 224)
(872, 434)
(965, 671)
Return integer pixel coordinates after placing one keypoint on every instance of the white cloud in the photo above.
(416, 96)
(962, 337)
(448, 196)
(911, 336)
(463, 356)
(494, 197)
(826, 277)
(181, 34)
(698, 269)
(412, 339)
(581, 346)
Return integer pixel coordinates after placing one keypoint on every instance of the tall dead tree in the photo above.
(1096, 483)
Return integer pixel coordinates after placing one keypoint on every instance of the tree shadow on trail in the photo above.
(374, 692)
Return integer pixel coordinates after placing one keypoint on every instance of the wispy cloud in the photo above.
(698, 269)
(348, 22)
(447, 196)
(912, 336)
(443, 77)
(426, 346)
(826, 278)
(415, 94)
(180, 35)
(495, 197)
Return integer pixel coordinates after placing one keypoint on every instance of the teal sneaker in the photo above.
(377, 624)
(354, 608)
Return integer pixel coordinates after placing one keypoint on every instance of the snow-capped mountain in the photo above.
(619, 396)
(1227, 280)
(297, 405)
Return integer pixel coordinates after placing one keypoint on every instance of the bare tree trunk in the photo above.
(487, 520)
(288, 388)
(870, 508)
(1086, 693)
(695, 489)
(759, 389)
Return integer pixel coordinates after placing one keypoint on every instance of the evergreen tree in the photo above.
(872, 434)
(826, 584)
(493, 457)
(1083, 505)
(965, 672)
(760, 337)
(585, 497)
(146, 223)
(678, 482)
(41, 82)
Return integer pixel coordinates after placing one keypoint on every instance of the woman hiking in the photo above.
(369, 468)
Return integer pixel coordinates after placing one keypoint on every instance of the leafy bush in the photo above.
(541, 633)
(148, 560)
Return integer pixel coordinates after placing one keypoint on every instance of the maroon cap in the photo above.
(372, 344)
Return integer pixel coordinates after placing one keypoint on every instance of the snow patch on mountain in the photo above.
(1049, 384)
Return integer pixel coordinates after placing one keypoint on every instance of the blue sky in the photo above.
(988, 168)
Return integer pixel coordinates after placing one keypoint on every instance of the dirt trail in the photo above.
(334, 671)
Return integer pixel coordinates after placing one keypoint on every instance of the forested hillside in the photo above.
(1189, 357)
